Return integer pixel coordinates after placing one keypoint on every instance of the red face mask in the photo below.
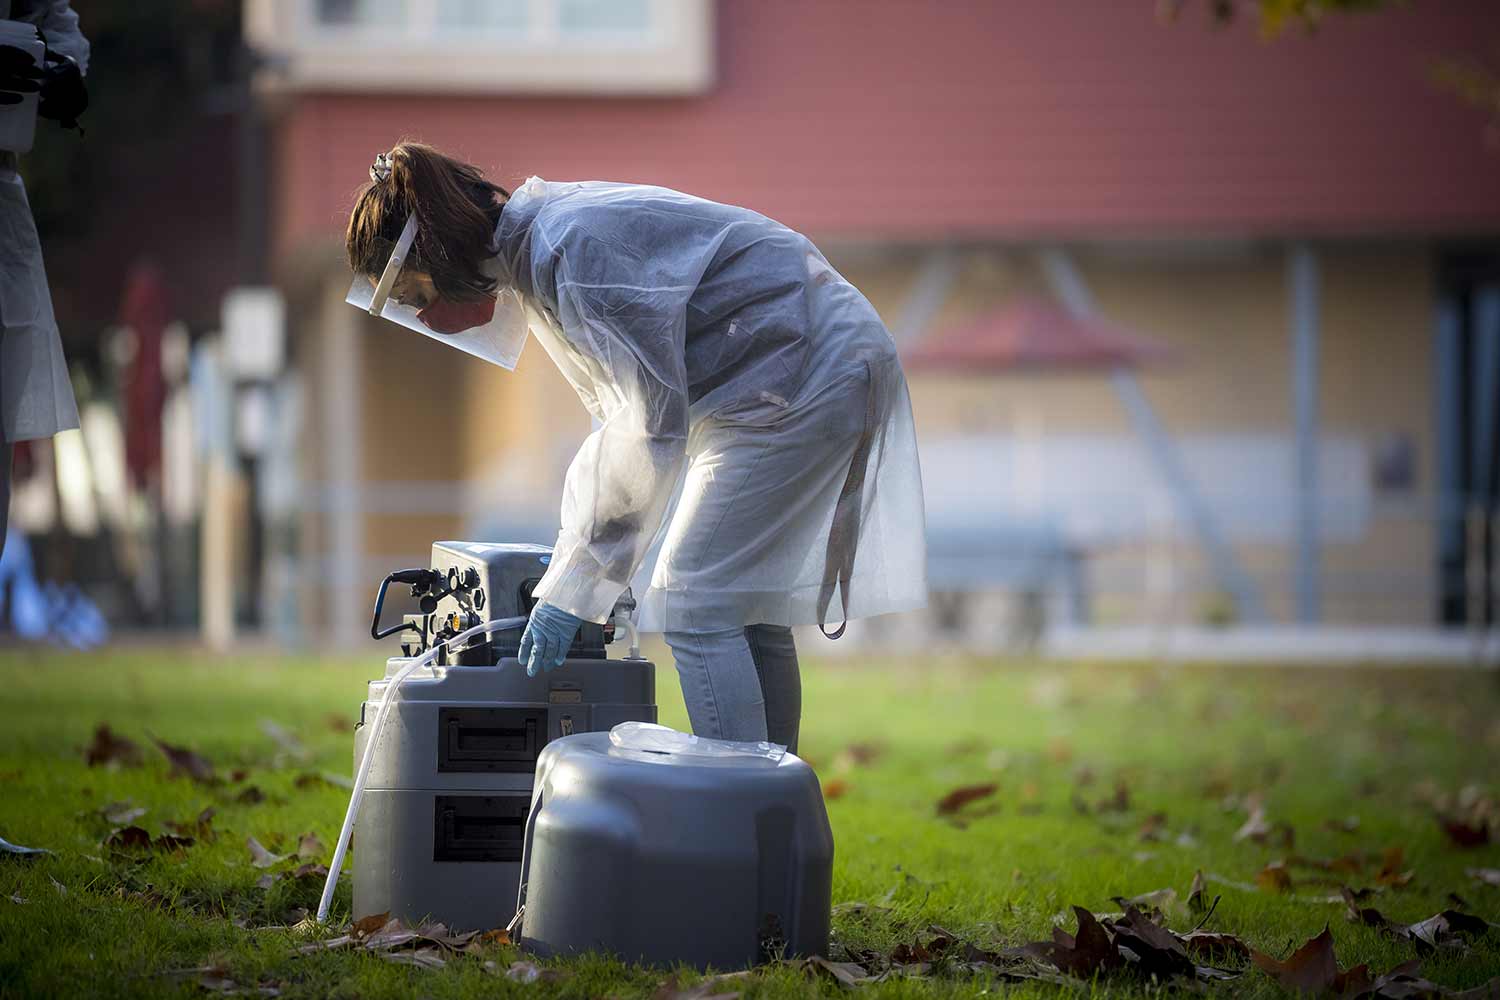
(456, 317)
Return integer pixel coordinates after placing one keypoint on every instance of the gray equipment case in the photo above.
(440, 827)
(661, 859)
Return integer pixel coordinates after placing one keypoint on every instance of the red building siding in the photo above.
(910, 119)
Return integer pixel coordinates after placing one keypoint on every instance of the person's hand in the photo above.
(19, 74)
(64, 97)
(548, 636)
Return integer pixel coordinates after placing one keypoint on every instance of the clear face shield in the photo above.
(494, 329)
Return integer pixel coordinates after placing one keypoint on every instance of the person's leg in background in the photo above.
(775, 655)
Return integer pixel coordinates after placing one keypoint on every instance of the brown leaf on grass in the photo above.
(260, 857)
(488, 939)
(338, 723)
(427, 958)
(1390, 873)
(1162, 901)
(1405, 981)
(1195, 902)
(186, 762)
(846, 974)
(330, 944)
(1313, 968)
(1274, 877)
(1485, 876)
(835, 789)
(111, 748)
(311, 870)
(129, 838)
(1448, 929)
(859, 754)
(201, 827)
(1215, 947)
(238, 775)
(955, 800)
(365, 926)
(1085, 953)
(169, 843)
(134, 840)
(309, 847)
(251, 796)
(1256, 827)
(267, 880)
(1158, 951)
(312, 779)
(1464, 833)
(1153, 827)
(1119, 801)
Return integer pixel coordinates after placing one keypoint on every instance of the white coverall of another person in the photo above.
(36, 397)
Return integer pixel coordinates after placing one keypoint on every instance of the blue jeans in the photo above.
(740, 683)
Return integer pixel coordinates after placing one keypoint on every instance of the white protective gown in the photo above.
(36, 398)
(734, 371)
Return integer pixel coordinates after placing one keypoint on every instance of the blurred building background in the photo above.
(1203, 329)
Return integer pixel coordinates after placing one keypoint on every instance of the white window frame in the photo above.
(675, 56)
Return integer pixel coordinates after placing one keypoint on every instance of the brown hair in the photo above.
(456, 209)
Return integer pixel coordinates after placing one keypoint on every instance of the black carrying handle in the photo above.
(417, 577)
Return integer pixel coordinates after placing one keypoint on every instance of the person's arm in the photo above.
(622, 479)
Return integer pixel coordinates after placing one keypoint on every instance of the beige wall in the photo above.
(1225, 311)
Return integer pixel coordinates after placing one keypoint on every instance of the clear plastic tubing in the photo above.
(363, 771)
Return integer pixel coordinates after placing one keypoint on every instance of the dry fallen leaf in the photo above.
(1215, 947)
(109, 748)
(201, 826)
(1487, 876)
(1196, 905)
(1390, 873)
(185, 762)
(427, 958)
(958, 798)
(252, 795)
(260, 857)
(1274, 877)
(1464, 833)
(835, 789)
(129, 838)
(1313, 968)
(1119, 801)
(846, 974)
(1085, 953)
(365, 926)
(310, 847)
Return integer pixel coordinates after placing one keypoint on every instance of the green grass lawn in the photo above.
(1112, 781)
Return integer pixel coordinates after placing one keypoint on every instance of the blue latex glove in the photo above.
(548, 635)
